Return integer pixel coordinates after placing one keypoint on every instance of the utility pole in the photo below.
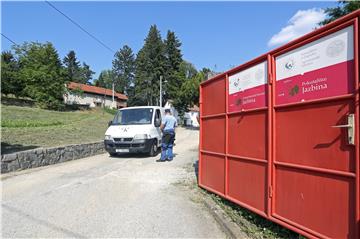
(113, 92)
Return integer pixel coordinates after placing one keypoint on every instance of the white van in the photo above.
(135, 130)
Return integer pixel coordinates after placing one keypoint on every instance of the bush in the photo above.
(110, 111)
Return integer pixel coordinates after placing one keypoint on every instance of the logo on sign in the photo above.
(294, 91)
(335, 48)
(238, 102)
(290, 64)
(236, 83)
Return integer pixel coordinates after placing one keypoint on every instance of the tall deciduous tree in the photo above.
(344, 7)
(105, 79)
(41, 70)
(150, 64)
(189, 91)
(124, 70)
(72, 66)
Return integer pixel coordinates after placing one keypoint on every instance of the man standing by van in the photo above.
(168, 128)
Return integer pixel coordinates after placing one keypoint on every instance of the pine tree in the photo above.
(173, 63)
(150, 64)
(124, 70)
(72, 66)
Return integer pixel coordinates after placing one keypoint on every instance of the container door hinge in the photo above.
(270, 192)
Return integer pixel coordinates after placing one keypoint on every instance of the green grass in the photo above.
(26, 127)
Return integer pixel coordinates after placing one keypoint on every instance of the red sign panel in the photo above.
(316, 70)
(247, 88)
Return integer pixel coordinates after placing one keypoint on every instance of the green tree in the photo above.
(189, 93)
(124, 70)
(10, 82)
(86, 74)
(150, 64)
(72, 66)
(173, 64)
(105, 79)
(207, 72)
(41, 71)
(343, 8)
(187, 70)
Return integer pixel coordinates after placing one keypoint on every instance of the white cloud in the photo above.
(301, 23)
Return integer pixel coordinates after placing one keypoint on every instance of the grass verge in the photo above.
(27, 127)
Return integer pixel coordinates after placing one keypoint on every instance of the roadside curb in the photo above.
(40, 157)
(230, 228)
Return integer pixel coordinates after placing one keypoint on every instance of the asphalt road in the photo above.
(100, 196)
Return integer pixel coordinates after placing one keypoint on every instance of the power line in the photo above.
(79, 26)
(9, 39)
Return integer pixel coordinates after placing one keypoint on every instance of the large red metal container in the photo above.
(279, 135)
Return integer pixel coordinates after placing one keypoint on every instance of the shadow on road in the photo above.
(196, 170)
(139, 155)
(191, 127)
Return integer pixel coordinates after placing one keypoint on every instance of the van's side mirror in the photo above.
(157, 123)
(110, 123)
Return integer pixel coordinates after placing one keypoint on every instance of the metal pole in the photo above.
(113, 93)
(160, 101)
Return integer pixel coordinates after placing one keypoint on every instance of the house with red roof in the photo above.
(93, 96)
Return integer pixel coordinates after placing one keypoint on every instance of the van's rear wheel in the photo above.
(112, 154)
(153, 149)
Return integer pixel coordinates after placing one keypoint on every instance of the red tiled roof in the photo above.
(95, 89)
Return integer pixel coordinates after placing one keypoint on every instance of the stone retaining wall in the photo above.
(46, 156)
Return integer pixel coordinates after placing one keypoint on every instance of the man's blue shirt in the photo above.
(169, 123)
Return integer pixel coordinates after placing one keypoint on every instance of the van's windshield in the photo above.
(133, 116)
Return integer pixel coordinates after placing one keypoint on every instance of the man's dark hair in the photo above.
(167, 110)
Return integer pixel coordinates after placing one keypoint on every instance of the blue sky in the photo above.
(218, 35)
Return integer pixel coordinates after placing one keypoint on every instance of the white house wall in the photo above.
(88, 99)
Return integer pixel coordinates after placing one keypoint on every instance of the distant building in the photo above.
(191, 117)
(93, 96)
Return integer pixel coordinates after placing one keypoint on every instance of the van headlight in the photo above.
(108, 137)
(141, 136)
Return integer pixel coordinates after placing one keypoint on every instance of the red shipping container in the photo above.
(279, 135)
